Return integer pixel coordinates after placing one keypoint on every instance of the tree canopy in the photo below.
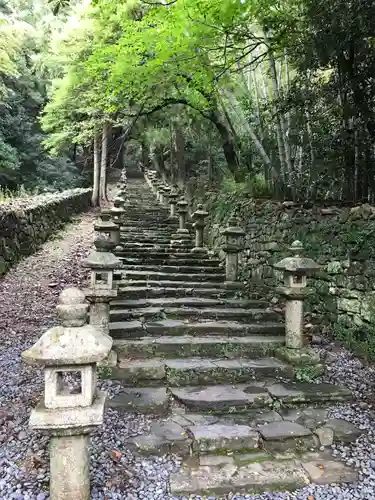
(276, 97)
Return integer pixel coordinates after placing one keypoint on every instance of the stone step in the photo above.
(137, 239)
(135, 291)
(163, 253)
(174, 269)
(245, 398)
(188, 302)
(191, 285)
(157, 312)
(249, 474)
(196, 371)
(188, 346)
(166, 327)
(145, 262)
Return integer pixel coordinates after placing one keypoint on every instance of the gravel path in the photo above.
(28, 296)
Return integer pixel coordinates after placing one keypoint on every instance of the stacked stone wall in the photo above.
(26, 224)
(340, 239)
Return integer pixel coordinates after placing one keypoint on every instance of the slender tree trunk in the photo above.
(96, 172)
(180, 154)
(281, 128)
(103, 164)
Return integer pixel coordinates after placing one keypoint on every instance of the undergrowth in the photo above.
(360, 340)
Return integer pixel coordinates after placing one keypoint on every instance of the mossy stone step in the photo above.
(218, 286)
(190, 371)
(191, 262)
(207, 346)
(160, 276)
(136, 291)
(215, 475)
(226, 313)
(187, 302)
(164, 253)
(240, 398)
(174, 269)
(131, 329)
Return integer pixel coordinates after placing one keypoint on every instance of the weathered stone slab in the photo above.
(214, 398)
(217, 437)
(330, 472)
(343, 431)
(277, 431)
(299, 392)
(135, 371)
(286, 437)
(154, 401)
(249, 479)
(210, 371)
(308, 417)
(149, 444)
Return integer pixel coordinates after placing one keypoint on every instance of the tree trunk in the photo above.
(180, 154)
(145, 155)
(96, 172)
(103, 164)
(281, 127)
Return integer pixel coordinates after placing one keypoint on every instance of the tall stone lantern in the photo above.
(173, 195)
(69, 354)
(166, 194)
(233, 246)
(295, 270)
(182, 237)
(199, 224)
(117, 213)
(107, 227)
(102, 264)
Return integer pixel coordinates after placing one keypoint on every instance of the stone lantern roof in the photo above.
(233, 228)
(182, 205)
(73, 342)
(102, 257)
(105, 223)
(173, 195)
(297, 264)
(200, 212)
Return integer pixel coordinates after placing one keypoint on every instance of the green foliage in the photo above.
(23, 160)
(360, 340)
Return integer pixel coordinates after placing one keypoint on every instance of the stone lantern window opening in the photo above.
(60, 394)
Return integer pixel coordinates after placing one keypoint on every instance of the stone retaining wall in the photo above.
(27, 223)
(341, 240)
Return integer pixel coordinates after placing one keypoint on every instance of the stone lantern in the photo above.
(295, 270)
(181, 237)
(162, 193)
(117, 212)
(182, 209)
(102, 264)
(198, 217)
(173, 195)
(166, 194)
(233, 246)
(108, 228)
(69, 354)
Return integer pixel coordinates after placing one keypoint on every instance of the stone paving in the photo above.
(190, 350)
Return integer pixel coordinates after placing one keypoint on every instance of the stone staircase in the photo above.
(190, 350)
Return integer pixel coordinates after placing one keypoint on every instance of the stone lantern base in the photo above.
(307, 362)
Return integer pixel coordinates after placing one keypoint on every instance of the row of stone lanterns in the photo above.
(75, 348)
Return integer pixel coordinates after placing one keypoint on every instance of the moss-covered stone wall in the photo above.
(27, 223)
(340, 239)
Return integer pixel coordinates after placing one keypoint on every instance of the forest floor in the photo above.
(28, 297)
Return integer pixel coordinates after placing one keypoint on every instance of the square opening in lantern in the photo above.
(102, 279)
(67, 387)
(299, 280)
